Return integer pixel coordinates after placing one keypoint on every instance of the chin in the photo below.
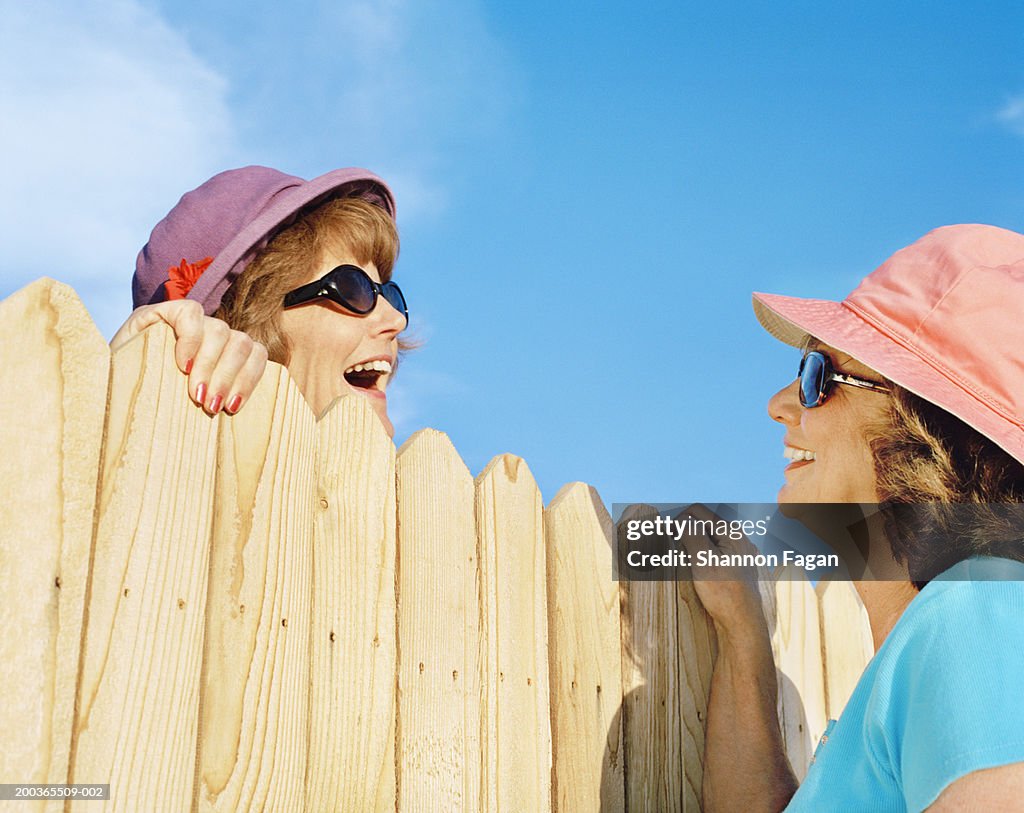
(784, 497)
(789, 494)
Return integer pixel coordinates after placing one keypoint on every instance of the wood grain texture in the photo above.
(698, 648)
(652, 719)
(254, 712)
(353, 639)
(139, 692)
(271, 612)
(54, 368)
(516, 739)
(796, 645)
(652, 726)
(584, 654)
(441, 656)
(845, 641)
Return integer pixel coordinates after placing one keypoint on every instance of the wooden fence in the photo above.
(274, 612)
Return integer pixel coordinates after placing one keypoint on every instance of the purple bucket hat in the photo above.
(232, 217)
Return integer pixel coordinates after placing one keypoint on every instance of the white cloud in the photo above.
(108, 117)
(1012, 115)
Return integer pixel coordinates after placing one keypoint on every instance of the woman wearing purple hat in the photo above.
(910, 394)
(257, 264)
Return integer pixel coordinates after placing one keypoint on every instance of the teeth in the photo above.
(378, 366)
(792, 453)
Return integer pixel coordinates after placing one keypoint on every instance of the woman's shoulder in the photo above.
(961, 632)
(945, 698)
(979, 589)
(958, 644)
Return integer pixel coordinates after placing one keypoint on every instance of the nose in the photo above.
(386, 319)
(784, 406)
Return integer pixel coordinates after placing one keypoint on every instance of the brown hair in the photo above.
(947, 491)
(253, 303)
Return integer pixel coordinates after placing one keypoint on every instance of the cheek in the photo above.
(342, 339)
(323, 334)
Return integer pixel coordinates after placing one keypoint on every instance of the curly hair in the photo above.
(947, 492)
(253, 302)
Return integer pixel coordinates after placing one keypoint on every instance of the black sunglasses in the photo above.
(817, 375)
(351, 287)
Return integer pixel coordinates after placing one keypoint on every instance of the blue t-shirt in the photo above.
(943, 697)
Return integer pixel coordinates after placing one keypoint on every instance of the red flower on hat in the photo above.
(181, 278)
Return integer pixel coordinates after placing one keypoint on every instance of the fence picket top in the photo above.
(54, 369)
(579, 533)
(574, 494)
(59, 308)
(351, 422)
(506, 466)
(427, 442)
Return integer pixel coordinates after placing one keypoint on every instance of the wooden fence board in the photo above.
(796, 645)
(441, 658)
(138, 697)
(845, 640)
(652, 730)
(54, 368)
(651, 722)
(517, 738)
(255, 702)
(353, 640)
(650, 707)
(585, 659)
(698, 648)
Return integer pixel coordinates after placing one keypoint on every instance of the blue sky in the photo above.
(587, 193)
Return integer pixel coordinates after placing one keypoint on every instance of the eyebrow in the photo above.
(839, 358)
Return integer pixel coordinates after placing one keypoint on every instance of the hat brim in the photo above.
(792, 320)
(287, 203)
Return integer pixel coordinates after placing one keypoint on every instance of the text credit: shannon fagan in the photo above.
(658, 542)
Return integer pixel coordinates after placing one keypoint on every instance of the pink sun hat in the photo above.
(216, 230)
(943, 318)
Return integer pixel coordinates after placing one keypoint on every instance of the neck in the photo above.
(885, 602)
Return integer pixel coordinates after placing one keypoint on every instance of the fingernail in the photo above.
(188, 366)
(233, 405)
(215, 404)
(201, 393)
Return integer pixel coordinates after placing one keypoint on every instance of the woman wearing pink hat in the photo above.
(910, 394)
(257, 264)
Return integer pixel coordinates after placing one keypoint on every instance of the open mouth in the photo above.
(798, 455)
(368, 374)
